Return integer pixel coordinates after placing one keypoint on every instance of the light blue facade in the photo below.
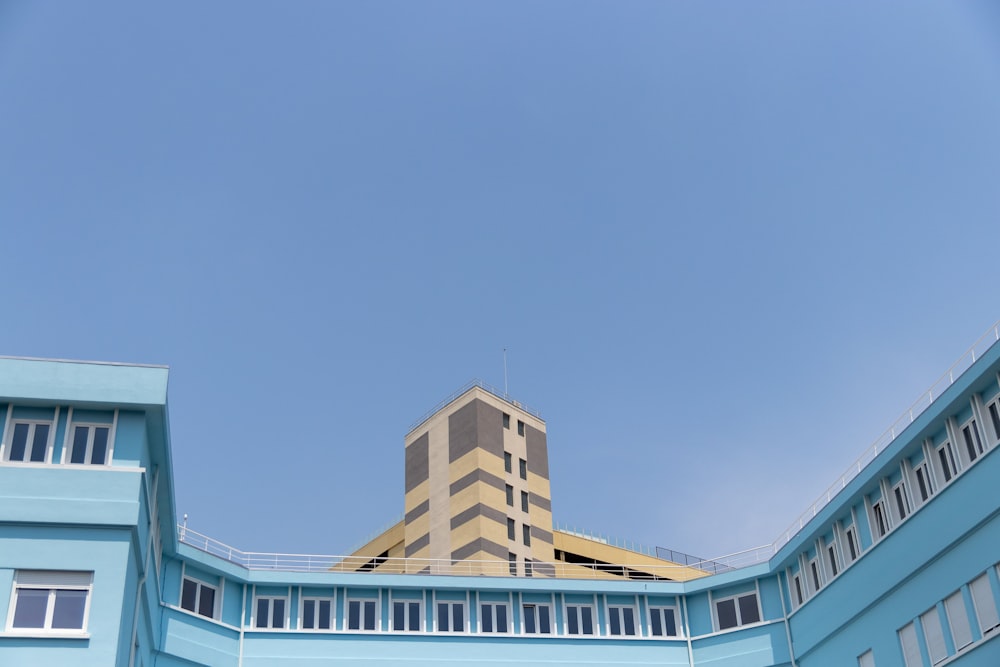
(93, 570)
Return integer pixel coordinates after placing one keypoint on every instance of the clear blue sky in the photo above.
(725, 243)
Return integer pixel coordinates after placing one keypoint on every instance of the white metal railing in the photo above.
(985, 342)
(502, 395)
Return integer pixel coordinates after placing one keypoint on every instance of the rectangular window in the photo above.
(523, 468)
(361, 614)
(797, 580)
(621, 620)
(902, 504)
(512, 564)
(510, 494)
(506, 420)
(524, 501)
(947, 458)
(911, 647)
(736, 611)
(269, 612)
(29, 442)
(923, 482)
(527, 567)
(90, 444)
(958, 619)
(662, 622)
(317, 614)
(852, 543)
(973, 443)
(579, 619)
(982, 600)
(511, 530)
(50, 601)
(866, 659)
(526, 534)
(406, 616)
(508, 462)
(451, 617)
(198, 597)
(814, 569)
(995, 419)
(831, 560)
(537, 619)
(520, 427)
(934, 635)
(881, 527)
(493, 617)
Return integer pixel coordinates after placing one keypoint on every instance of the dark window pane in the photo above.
(398, 615)
(40, 443)
(30, 610)
(852, 546)
(526, 530)
(79, 454)
(544, 626)
(616, 624)
(442, 617)
(458, 618)
(510, 495)
(922, 483)
(262, 609)
(573, 623)
(501, 618)
(510, 529)
(670, 622)
(309, 614)
(189, 593)
(995, 417)
(100, 450)
(523, 468)
(353, 615)
(486, 617)
(324, 615)
(508, 462)
(587, 620)
(798, 588)
(19, 442)
(629, 620)
(277, 613)
(529, 619)
(832, 553)
(369, 615)
(748, 609)
(68, 611)
(506, 420)
(415, 616)
(524, 501)
(206, 603)
(520, 427)
(656, 629)
(726, 611)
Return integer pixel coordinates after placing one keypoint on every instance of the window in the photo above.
(198, 597)
(451, 617)
(511, 534)
(493, 617)
(537, 619)
(736, 611)
(973, 443)
(961, 632)
(508, 462)
(527, 568)
(520, 427)
(50, 601)
(911, 647)
(995, 418)
(923, 481)
(814, 569)
(269, 612)
(29, 442)
(579, 619)
(506, 420)
(510, 495)
(852, 543)
(947, 458)
(512, 564)
(523, 468)
(526, 534)
(317, 614)
(934, 635)
(880, 525)
(406, 616)
(902, 504)
(524, 501)
(662, 622)
(831, 560)
(866, 659)
(361, 614)
(90, 444)
(982, 600)
(621, 620)
(797, 581)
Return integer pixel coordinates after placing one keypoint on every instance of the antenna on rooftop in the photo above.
(505, 372)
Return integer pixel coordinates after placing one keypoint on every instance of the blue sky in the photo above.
(725, 243)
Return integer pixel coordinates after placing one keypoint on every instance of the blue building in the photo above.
(896, 564)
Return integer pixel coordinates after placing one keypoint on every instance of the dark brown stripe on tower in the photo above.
(462, 431)
(417, 511)
(540, 534)
(477, 475)
(538, 452)
(476, 511)
(416, 462)
(477, 545)
(417, 544)
(540, 501)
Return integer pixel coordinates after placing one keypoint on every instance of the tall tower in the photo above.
(477, 486)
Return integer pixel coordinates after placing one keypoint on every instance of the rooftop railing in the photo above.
(985, 342)
(502, 395)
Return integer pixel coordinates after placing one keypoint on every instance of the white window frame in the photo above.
(493, 606)
(662, 609)
(832, 558)
(407, 614)
(317, 600)
(993, 410)
(910, 645)
(945, 458)
(931, 620)
(815, 571)
(617, 611)
(577, 608)
(201, 585)
(984, 602)
(958, 619)
(922, 471)
(8, 438)
(851, 537)
(53, 581)
(866, 659)
(70, 438)
(451, 604)
(536, 618)
(797, 589)
(270, 600)
(362, 602)
(901, 500)
(972, 439)
(739, 613)
(879, 511)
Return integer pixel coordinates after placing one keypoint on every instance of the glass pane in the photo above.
(656, 628)
(501, 618)
(278, 613)
(18, 443)
(353, 615)
(414, 617)
(442, 617)
(189, 593)
(629, 620)
(529, 619)
(544, 626)
(615, 621)
(68, 612)
(961, 632)
(370, 615)
(262, 609)
(748, 609)
(398, 615)
(100, 450)
(206, 603)
(934, 635)
(79, 453)
(458, 618)
(911, 649)
(573, 623)
(726, 610)
(309, 614)
(39, 443)
(486, 617)
(670, 622)
(30, 610)
(586, 614)
(324, 615)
